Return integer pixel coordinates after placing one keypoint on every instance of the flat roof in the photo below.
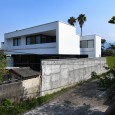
(40, 25)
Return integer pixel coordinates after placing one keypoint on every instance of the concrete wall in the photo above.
(31, 87)
(20, 90)
(57, 74)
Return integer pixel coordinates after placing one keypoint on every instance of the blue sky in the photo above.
(19, 14)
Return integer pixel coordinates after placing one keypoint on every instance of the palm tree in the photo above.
(112, 20)
(72, 21)
(81, 19)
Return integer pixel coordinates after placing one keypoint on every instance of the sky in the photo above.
(20, 14)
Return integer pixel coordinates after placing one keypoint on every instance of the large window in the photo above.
(16, 41)
(47, 39)
(32, 40)
(40, 39)
(87, 44)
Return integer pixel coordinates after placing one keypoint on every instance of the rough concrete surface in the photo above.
(63, 72)
(81, 100)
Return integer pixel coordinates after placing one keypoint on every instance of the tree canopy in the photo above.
(112, 20)
(72, 21)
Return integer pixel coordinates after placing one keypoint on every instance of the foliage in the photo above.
(112, 20)
(81, 19)
(103, 41)
(111, 62)
(28, 104)
(108, 52)
(3, 64)
(107, 81)
(94, 75)
(6, 102)
(72, 21)
(112, 46)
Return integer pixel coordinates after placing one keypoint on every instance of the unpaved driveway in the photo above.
(83, 100)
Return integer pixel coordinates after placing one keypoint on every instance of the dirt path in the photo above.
(83, 100)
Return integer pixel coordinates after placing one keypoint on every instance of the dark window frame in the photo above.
(17, 41)
(81, 43)
(42, 39)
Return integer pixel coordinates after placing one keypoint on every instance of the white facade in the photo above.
(92, 49)
(67, 41)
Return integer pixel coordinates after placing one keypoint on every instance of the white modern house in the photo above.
(55, 38)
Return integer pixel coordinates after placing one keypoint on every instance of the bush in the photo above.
(94, 75)
(107, 81)
(111, 62)
(6, 102)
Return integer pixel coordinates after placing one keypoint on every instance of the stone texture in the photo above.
(63, 72)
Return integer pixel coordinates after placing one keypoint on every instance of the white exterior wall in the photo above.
(46, 48)
(69, 42)
(98, 46)
(92, 52)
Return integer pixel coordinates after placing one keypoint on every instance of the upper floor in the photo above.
(47, 38)
(51, 38)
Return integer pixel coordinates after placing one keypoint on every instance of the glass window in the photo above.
(83, 44)
(27, 40)
(16, 41)
(33, 40)
(37, 39)
(87, 44)
(90, 43)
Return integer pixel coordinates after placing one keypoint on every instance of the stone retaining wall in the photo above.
(61, 73)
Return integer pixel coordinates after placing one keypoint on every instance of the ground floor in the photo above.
(34, 61)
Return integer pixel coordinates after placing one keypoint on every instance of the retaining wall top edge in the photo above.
(72, 60)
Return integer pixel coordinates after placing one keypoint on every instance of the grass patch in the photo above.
(111, 62)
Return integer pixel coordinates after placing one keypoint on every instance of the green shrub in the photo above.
(94, 75)
(111, 62)
(107, 81)
(6, 102)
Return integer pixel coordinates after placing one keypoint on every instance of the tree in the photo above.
(108, 52)
(3, 64)
(112, 47)
(112, 20)
(103, 41)
(81, 19)
(72, 21)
